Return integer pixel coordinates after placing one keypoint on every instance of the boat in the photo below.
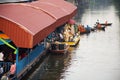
(85, 30)
(59, 48)
(74, 42)
(106, 24)
(98, 26)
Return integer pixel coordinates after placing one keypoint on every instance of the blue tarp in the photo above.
(7, 40)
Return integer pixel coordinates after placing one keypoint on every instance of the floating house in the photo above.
(27, 25)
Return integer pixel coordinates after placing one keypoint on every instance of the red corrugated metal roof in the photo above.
(29, 23)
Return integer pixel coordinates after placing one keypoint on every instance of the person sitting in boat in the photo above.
(71, 38)
(88, 29)
(72, 29)
(67, 33)
(106, 22)
(10, 58)
(81, 28)
(99, 25)
(61, 37)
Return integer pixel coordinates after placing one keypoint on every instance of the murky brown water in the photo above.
(97, 56)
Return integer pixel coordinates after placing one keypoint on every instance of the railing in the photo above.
(31, 56)
(6, 66)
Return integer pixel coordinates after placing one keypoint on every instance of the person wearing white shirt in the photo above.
(1, 56)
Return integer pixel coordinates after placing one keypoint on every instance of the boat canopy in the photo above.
(27, 24)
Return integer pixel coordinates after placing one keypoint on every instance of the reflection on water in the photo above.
(97, 56)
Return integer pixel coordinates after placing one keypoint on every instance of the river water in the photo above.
(97, 56)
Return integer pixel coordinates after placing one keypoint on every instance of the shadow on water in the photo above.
(52, 67)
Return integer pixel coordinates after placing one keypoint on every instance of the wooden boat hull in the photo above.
(63, 51)
(72, 43)
(101, 28)
(86, 32)
(108, 24)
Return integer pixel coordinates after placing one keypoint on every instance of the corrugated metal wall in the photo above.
(23, 38)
